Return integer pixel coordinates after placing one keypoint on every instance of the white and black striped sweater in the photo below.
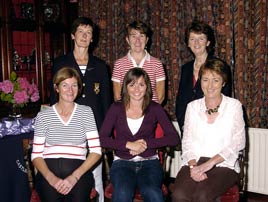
(54, 138)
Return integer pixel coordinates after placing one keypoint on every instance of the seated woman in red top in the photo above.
(135, 118)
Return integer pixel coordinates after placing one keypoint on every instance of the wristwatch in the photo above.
(192, 166)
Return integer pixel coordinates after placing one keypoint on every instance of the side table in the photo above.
(14, 185)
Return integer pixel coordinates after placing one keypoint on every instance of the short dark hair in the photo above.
(140, 26)
(133, 75)
(200, 27)
(82, 21)
(66, 73)
(214, 65)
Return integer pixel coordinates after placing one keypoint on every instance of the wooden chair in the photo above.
(233, 194)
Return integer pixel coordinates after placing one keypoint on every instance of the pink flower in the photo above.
(21, 97)
(23, 83)
(32, 88)
(35, 97)
(7, 86)
(18, 91)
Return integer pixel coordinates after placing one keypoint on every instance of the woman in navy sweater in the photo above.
(200, 39)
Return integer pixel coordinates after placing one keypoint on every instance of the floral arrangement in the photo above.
(18, 91)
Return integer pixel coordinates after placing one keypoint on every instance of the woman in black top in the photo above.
(200, 39)
(96, 91)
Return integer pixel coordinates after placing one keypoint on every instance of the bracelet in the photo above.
(75, 177)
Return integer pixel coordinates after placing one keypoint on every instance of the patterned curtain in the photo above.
(240, 31)
(251, 52)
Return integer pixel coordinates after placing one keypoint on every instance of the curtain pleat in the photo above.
(241, 40)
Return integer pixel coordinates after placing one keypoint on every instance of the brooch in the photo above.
(97, 88)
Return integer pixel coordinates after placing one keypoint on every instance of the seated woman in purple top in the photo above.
(135, 118)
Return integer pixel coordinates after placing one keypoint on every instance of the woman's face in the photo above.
(137, 89)
(68, 90)
(198, 43)
(211, 84)
(83, 36)
(137, 41)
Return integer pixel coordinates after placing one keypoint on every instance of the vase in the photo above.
(15, 112)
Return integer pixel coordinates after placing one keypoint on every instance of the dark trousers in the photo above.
(63, 168)
(219, 180)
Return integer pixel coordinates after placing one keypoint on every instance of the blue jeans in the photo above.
(127, 176)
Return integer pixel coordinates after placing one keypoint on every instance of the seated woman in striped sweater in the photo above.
(64, 134)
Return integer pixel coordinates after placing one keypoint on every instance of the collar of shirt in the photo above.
(146, 57)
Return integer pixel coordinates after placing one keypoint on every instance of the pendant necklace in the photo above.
(211, 111)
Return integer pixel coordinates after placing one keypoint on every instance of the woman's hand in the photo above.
(54, 181)
(63, 186)
(198, 173)
(204, 167)
(137, 146)
(200, 177)
(67, 184)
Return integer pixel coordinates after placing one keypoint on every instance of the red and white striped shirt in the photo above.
(150, 64)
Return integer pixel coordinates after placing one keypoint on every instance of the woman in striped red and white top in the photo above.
(64, 135)
(137, 37)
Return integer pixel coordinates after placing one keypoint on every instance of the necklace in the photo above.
(211, 111)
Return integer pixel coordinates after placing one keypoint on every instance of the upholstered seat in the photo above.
(232, 195)
(109, 191)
